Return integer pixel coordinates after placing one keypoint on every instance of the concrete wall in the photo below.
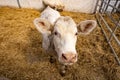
(36, 4)
(85, 6)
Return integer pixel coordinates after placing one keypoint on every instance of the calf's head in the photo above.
(64, 36)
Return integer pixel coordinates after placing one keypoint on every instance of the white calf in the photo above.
(57, 4)
(60, 34)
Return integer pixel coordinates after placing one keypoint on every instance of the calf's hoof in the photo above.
(63, 73)
(63, 70)
(52, 59)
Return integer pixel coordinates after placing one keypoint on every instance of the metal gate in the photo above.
(109, 11)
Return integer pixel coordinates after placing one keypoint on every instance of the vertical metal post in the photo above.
(115, 5)
(105, 4)
(101, 6)
(96, 6)
(18, 3)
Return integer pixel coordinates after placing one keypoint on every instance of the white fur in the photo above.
(50, 14)
(66, 42)
(63, 35)
(57, 4)
(53, 2)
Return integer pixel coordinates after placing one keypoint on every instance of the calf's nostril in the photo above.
(64, 56)
(74, 57)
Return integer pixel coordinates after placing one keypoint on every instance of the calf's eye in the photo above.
(76, 33)
(55, 33)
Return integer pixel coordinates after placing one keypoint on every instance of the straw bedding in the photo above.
(22, 57)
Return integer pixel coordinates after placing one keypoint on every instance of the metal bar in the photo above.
(112, 6)
(102, 28)
(18, 3)
(115, 5)
(113, 20)
(114, 53)
(116, 39)
(96, 6)
(112, 33)
(107, 5)
(118, 7)
(101, 5)
(116, 24)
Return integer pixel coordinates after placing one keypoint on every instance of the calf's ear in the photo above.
(42, 25)
(87, 26)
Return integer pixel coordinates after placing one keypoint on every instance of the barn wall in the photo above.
(86, 6)
(36, 4)
(12, 3)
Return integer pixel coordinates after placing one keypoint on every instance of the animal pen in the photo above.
(106, 9)
(23, 58)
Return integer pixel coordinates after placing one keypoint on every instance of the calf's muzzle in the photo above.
(69, 58)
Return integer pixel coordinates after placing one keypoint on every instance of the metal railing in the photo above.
(105, 9)
(18, 2)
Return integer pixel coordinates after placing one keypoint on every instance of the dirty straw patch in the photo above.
(22, 58)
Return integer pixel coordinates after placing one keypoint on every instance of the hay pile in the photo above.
(22, 58)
